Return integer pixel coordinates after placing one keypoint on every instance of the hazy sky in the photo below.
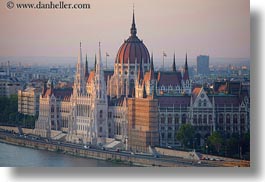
(219, 28)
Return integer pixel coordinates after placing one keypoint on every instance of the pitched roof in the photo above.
(222, 100)
(169, 78)
(61, 94)
(169, 101)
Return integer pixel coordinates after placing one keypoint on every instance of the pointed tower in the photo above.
(100, 81)
(186, 71)
(133, 28)
(186, 82)
(140, 72)
(44, 89)
(174, 64)
(79, 83)
(86, 68)
(152, 71)
(95, 64)
(100, 104)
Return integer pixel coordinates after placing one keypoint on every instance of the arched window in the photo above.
(52, 108)
(169, 119)
(183, 118)
(176, 119)
(228, 119)
(205, 119)
(195, 119)
(221, 118)
(162, 119)
(100, 114)
(200, 119)
(210, 119)
(235, 119)
(200, 103)
(242, 119)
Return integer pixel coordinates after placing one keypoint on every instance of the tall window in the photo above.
(176, 119)
(183, 119)
(221, 118)
(195, 119)
(169, 119)
(200, 119)
(162, 119)
(242, 119)
(52, 108)
(228, 119)
(210, 118)
(235, 119)
(100, 114)
(205, 119)
(109, 115)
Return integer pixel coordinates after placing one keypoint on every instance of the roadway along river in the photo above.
(14, 156)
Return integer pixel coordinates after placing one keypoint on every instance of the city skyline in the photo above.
(218, 29)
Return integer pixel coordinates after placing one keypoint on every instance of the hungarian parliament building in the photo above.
(138, 106)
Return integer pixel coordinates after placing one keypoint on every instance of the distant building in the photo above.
(203, 65)
(9, 86)
(28, 101)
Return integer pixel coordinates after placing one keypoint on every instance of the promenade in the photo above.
(134, 159)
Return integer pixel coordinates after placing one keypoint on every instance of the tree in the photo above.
(9, 113)
(216, 141)
(185, 134)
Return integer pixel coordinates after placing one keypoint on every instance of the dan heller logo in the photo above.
(10, 4)
(50, 5)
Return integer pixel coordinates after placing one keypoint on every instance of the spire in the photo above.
(86, 68)
(98, 61)
(133, 28)
(140, 71)
(52, 87)
(152, 72)
(95, 64)
(186, 71)
(152, 64)
(44, 88)
(186, 62)
(174, 64)
(100, 84)
(80, 54)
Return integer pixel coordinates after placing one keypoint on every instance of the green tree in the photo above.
(186, 134)
(216, 141)
(9, 113)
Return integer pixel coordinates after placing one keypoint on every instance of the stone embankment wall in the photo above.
(104, 155)
(26, 130)
(177, 153)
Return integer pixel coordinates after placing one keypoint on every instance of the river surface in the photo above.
(16, 156)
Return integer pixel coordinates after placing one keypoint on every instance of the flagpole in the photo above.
(163, 61)
(106, 61)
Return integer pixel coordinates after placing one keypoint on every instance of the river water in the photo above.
(16, 156)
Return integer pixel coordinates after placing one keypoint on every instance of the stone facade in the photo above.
(143, 124)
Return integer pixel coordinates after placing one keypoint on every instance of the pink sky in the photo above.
(219, 28)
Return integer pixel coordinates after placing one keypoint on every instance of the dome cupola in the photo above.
(133, 49)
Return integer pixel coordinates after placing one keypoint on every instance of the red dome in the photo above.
(133, 49)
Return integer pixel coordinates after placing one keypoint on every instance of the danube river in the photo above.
(15, 156)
